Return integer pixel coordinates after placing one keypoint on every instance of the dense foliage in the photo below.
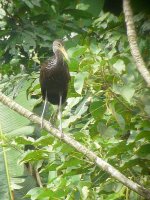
(107, 110)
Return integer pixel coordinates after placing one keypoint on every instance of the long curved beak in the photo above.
(62, 49)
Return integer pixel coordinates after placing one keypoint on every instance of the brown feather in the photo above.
(54, 79)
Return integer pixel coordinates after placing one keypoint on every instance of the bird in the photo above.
(54, 79)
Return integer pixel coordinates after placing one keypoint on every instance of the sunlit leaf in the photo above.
(76, 51)
(125, 91)
(79, 81)
(2, 13)
(119, 66)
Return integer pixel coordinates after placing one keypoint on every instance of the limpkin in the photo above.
(54, 79)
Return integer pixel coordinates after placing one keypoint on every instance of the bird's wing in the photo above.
(45, 72)
(67, 71)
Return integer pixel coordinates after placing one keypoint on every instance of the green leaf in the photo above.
(115, 196)
(97, 109)
(36, 2)
(28, 3)
(81, 108)
(12, 121)
(44, 141)
(119, 66)
(95, 49)
(147, 109)
(45, 194)
(34, 155)
(73, 65)
(50, 167)
(77, 51)
(72, 162)
(144, 151)
(28, 41)
(9, 124)
(125, 91)
(120, 148)
(42, 192)
(106, 132)
(85, 192)
(2, 24)
(94, 7)
(120, 120)
(24, 140)
(77, 14)
(2, 13)
(131, 163)
(26, 130)
(143, 135)
(67, 149)
(97, 44)
(79, 81)
(5, 187)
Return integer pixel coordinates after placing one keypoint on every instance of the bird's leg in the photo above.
(45, 102)
(54, 117)
(60, 115)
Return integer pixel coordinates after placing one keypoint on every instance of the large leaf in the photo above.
(77, 14)
(125, 91)
(4, 176)
(94, 7)
(79, 81)
(10, 120)
(119, 119)
(97, 109)
(14, 125)
(119, 66)
(144, 151)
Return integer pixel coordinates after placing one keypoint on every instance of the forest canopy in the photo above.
(107, 108)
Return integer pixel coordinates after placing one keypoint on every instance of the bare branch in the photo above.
(79, 147)
(131, 33)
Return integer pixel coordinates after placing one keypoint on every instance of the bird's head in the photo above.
(59, 47)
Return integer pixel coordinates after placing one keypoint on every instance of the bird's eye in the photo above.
(59, 44)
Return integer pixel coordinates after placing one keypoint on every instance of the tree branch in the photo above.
(131, 33)
(79, 147)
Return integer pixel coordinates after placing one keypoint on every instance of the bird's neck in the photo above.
(59, 57)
